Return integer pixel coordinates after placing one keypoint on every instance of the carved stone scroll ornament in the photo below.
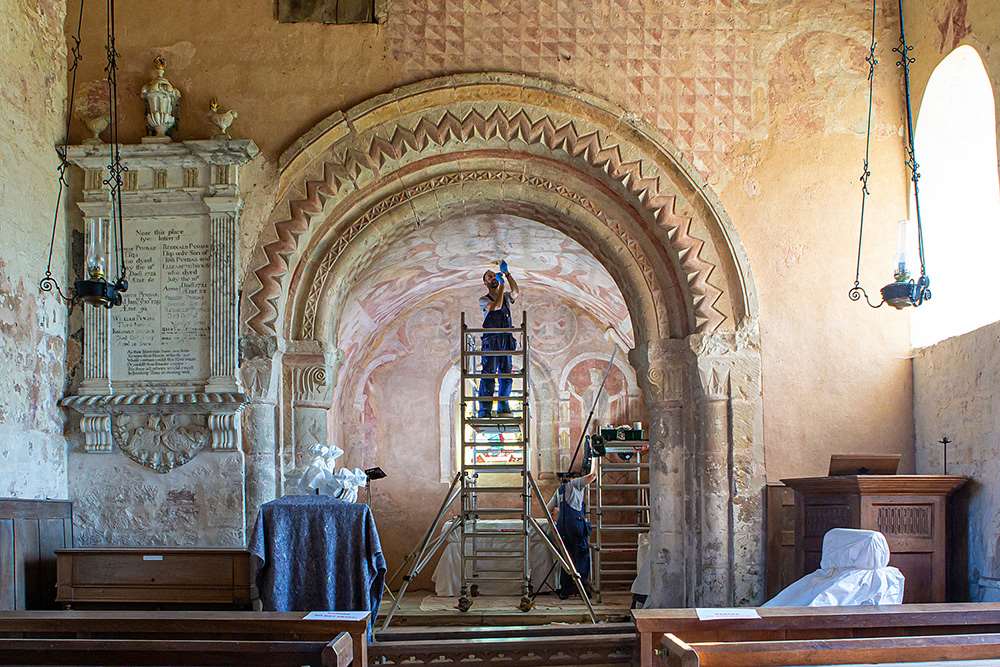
(160, 441)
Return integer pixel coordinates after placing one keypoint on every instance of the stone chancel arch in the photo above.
(508, 144)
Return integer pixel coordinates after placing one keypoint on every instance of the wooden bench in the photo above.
(814, 623)
(186, 626)
(576, 644)
(338, 652)
(798, 652)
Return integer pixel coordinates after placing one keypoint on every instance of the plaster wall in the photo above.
(765, 98)
(33, 342)
(956, 381)
(957, 394)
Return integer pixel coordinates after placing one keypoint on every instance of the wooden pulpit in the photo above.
(910, 510)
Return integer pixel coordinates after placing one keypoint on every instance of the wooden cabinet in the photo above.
(910, 510)
(30, 533)
(154, 578)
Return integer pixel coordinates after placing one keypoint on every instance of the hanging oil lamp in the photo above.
(96, 287)
(904, 291)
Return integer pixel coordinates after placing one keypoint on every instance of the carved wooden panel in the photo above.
(910, 520)
(821, 518)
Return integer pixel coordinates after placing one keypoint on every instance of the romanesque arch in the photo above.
(504, 143)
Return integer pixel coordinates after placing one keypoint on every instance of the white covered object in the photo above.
(643, 584)
(321, 475)
(447, 575)
(854, 571)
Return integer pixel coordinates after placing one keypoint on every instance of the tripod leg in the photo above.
(449, 499)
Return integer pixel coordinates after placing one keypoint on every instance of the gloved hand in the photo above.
(503, 266)
(500, 278)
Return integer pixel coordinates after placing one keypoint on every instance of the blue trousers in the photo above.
(495, 364)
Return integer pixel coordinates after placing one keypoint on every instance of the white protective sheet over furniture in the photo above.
(643, 583)
(854, 571)
(447, 575)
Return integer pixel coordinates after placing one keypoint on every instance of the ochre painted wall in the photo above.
(33, 345)
(765, 98)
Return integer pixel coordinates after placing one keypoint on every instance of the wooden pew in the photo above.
(246, 626)
(163, 652)
(798, 652)
(812, 623)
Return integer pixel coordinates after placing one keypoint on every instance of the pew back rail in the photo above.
(813, 623)
(185, 626)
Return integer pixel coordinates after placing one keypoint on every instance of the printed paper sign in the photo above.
(725, 613)
(335, 616)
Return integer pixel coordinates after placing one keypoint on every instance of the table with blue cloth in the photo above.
(318, 553)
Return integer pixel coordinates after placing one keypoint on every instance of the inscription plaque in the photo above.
(162, 333)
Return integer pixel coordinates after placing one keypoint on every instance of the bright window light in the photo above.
(956, 146)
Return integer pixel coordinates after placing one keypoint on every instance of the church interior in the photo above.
(594, 332)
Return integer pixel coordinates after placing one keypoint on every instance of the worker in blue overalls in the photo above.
(570, 502)
(495, 305)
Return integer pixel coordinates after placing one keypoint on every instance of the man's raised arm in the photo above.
(514, 291)
(497, 303)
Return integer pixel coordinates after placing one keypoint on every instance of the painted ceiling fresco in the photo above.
(550, 267)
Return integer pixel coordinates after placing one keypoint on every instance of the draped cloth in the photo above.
(318, 553)
(854, 571)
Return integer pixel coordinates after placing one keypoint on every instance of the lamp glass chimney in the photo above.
(901, 270)
(97, 249)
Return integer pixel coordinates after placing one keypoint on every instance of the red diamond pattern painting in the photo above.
(685, 67)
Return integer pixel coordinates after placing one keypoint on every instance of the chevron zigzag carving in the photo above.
(356, 166)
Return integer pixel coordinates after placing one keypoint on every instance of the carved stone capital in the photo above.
(312, 378)
(662, 367)
(260, 367)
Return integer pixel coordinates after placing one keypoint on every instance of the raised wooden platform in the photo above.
(420, 608)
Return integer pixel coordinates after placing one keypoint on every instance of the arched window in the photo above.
(960, 199)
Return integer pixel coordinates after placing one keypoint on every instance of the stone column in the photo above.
(662, 368)
(714, 586)
(732, 494)
(261, 375)
(310, 375)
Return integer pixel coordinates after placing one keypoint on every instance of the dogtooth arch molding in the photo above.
(350, 152)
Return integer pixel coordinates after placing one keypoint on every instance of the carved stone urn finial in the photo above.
(162, 101)
(221, 119)
(94, 108)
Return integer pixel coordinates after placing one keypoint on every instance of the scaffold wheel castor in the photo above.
(464, 604)
(526, 603)
(474, 590)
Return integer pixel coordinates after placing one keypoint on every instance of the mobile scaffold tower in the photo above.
(494, 465)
